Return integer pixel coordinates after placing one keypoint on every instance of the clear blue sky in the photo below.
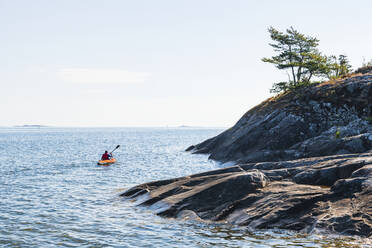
(156, 63)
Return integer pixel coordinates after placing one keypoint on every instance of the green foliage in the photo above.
(279, 87)
(338, 134)
(298, 53)
(289, 86)
(337, 67)
(369, 119)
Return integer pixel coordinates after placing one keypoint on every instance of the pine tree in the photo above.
(338, 67)
(298, 54)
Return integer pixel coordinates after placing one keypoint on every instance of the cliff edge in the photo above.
(317, 120)
(304, 163)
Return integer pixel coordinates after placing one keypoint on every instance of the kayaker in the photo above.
(106, 156)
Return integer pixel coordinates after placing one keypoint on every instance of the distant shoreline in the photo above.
(160, 127)
(32, 126)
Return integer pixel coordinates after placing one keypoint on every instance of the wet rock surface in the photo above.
(328, 194)
(303, 162)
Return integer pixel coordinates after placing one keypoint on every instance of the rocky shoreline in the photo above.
(318, 120)
(303, 162)
(332, 194)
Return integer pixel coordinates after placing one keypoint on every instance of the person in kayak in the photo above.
(106, 156)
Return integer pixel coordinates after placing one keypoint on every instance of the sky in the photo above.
(146, 63)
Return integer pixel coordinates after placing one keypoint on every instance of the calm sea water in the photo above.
(52, 193)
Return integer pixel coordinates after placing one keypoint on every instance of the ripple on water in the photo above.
(54, 195)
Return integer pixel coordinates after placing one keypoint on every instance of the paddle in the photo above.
(115, 148)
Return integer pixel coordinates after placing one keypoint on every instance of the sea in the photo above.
(53, 193)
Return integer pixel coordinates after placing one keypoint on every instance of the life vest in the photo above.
(105, 156)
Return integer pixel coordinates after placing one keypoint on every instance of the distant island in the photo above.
(31, 126)
(198, 127)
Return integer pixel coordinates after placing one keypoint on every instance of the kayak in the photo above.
(106, 162)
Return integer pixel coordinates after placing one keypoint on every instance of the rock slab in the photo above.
(319, 120)
(329, 194)
(303, 162)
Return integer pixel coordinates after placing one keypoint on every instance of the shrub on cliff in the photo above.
(298, 53)
(338, 67)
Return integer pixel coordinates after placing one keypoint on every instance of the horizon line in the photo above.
(68, 126)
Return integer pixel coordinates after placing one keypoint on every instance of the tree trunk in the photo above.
(299, 73)
(311, 74)
(292, 67)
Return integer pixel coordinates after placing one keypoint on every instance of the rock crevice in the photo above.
(303, 162)
(302, 195)
(319, 120)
